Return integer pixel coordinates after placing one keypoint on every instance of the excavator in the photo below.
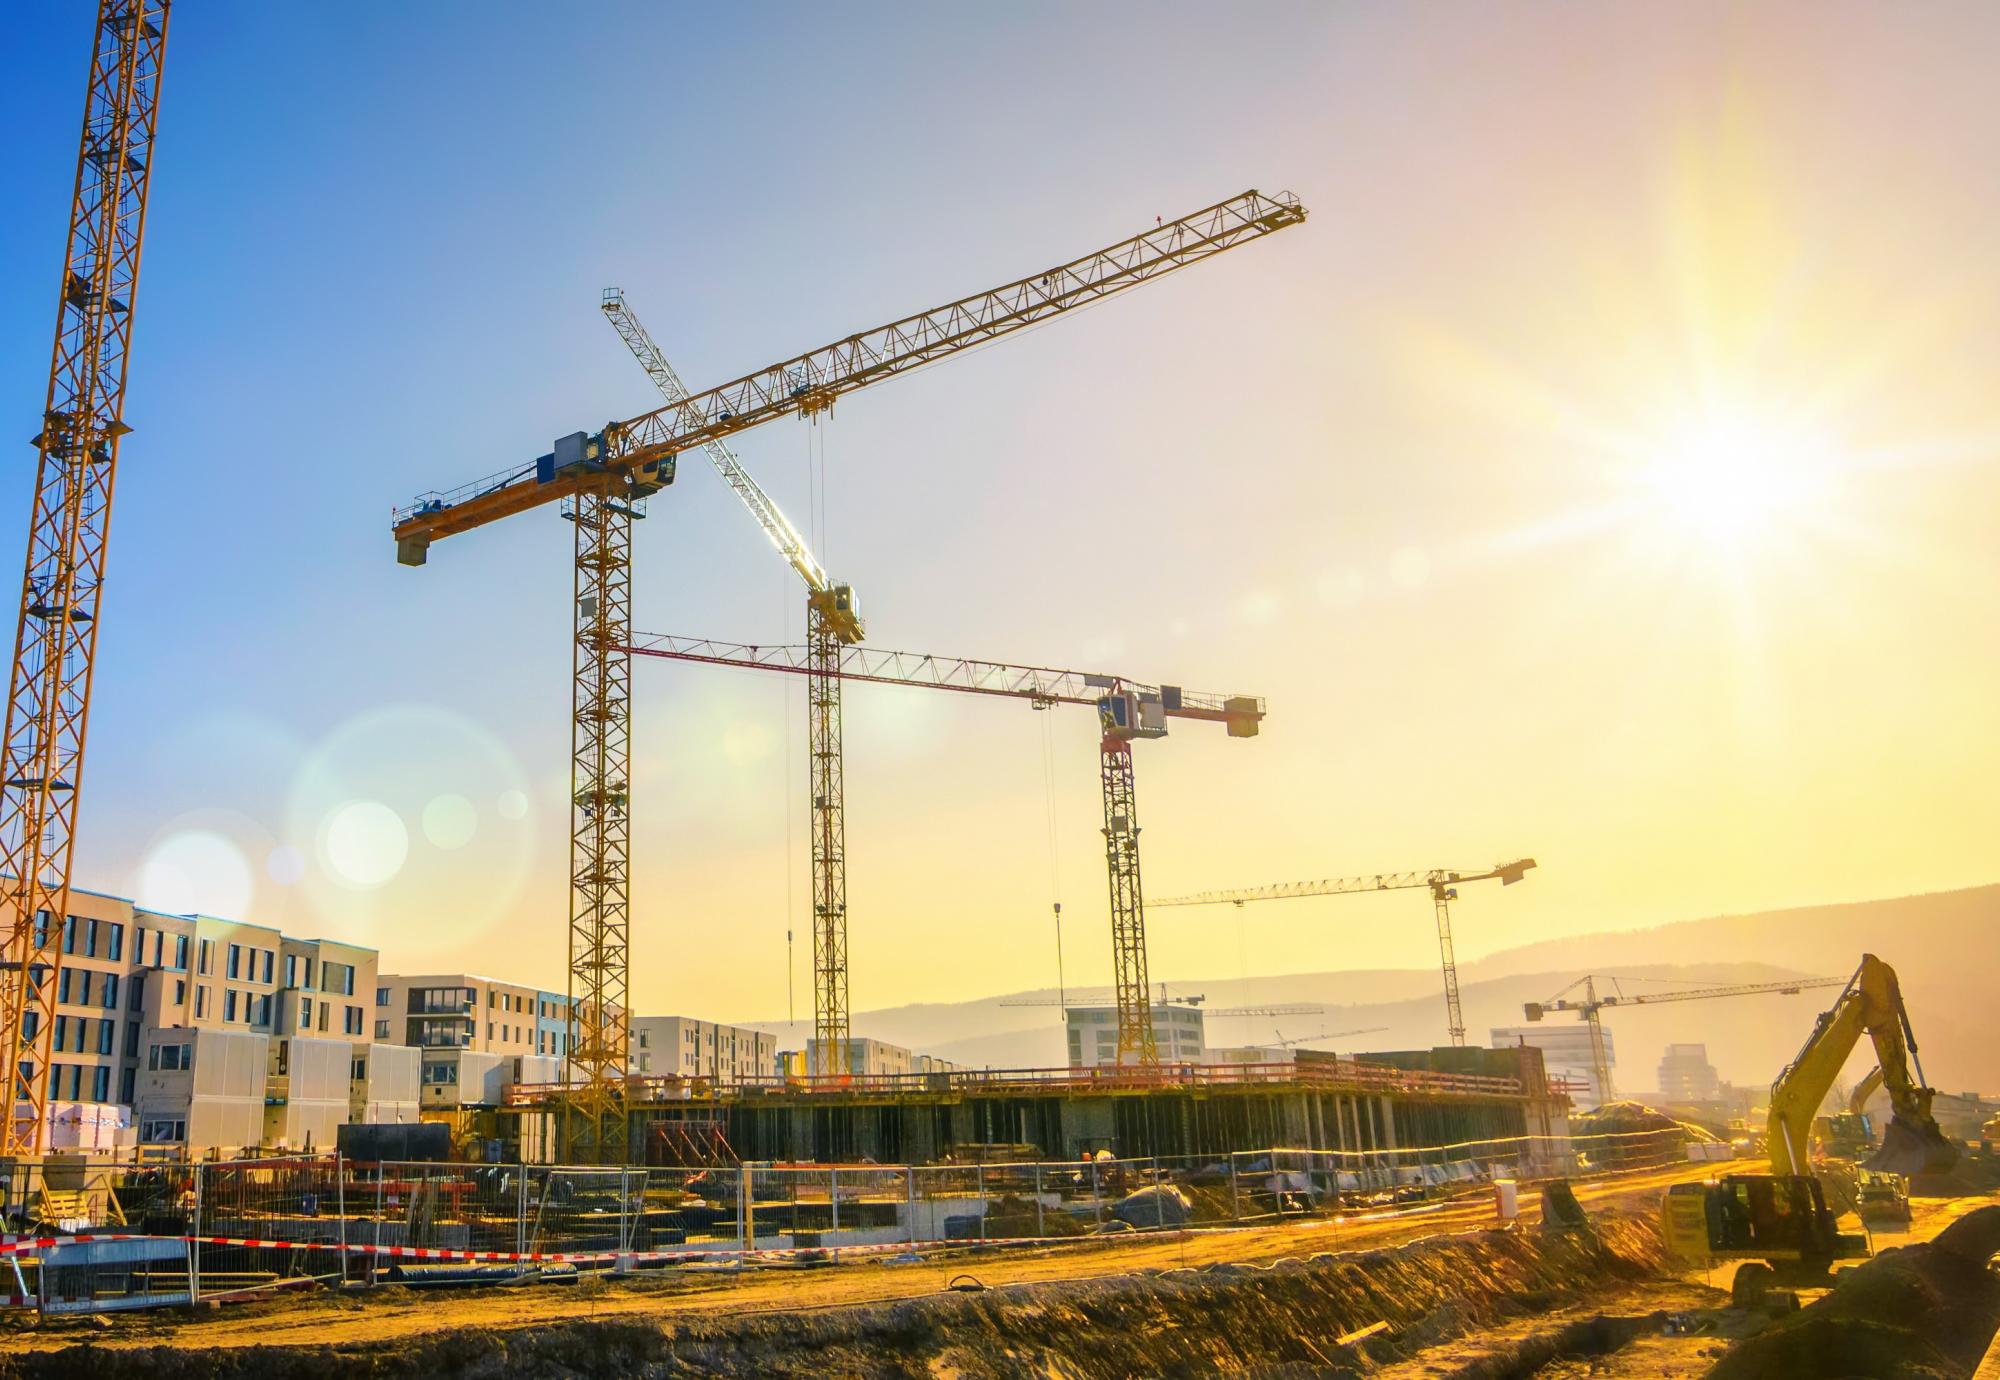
(1778, 1223)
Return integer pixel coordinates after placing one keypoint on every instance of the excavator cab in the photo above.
(1779, 1218)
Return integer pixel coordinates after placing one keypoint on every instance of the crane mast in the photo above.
(602, 480)
(1442, 883)
(1126, 710)
(833, 620)
(55, 640)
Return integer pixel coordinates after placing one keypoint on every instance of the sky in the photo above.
(1604, 472)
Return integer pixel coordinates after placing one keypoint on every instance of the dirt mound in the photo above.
(1286, 1318)
(1909, 1314)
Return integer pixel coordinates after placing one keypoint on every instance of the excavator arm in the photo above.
(1871, 1004)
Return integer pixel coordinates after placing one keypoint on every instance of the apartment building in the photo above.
(438, 1011)
(135, 982)
(690, 1048)
(873, 1058)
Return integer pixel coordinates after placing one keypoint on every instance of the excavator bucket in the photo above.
(1911, 1147)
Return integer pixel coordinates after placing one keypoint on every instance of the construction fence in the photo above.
(252, 1224)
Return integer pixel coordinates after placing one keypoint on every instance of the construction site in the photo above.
(234, 1149)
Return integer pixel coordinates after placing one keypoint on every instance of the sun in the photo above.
(1731, 480)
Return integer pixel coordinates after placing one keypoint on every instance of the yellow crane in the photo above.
(55, 639)
(1442, 883)
(833, 621)
(602, 480)
(1127, 711)
(1590, 1004)
(1779, 1221)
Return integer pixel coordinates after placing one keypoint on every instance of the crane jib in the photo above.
(809, 383)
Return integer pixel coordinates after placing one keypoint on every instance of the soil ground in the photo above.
(390, 1313)
(1197, 1299)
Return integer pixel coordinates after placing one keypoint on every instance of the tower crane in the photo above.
(55, 639)
(1126, 710)
(833, 621)
(1442, 883)
(602, 480)
(1297, 1040)
(1589, 1004)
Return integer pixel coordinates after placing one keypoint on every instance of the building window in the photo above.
(63, 984)
(83, 978)
(381, 996)
(202, 957)
(169, 1058)
(180, 992)
(163, 1132)
(307, 962)
(305, 1013)
(181, 952)
(125, 1080)
(269, 959)
(111, 991)
(201, 1002)
(62, 1028)
(229, 1005)
(291, 970)
(358, 1071)
(325, 1010)
(100, 1083)
(107, 1032)
(353, 1023)
(264, 1010)
(131, 1042)
(440, 1074)
(381, 1030)
(235, 961)
(114, 941)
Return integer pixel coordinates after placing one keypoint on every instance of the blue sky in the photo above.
(377, 239)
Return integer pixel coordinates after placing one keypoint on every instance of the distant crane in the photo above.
(1195, 1002)
(1442, 883)
(1126, 711)
(603, 478)
(1590, 1004)
(833, 620)
(1283, 1043)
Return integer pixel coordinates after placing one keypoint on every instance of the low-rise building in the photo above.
(435, 1011)
(130, 975)
(691, 1048)
(863, 1056)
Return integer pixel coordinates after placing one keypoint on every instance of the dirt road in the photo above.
(326, 1319)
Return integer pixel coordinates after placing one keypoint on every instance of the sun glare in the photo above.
(1729, 481)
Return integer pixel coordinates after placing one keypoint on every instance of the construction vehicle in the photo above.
(1848, 1135)
(602, 479)
(1778, 1223)
(55, 639)
(1127, 711)
(1441, 882)
(1882, 1199)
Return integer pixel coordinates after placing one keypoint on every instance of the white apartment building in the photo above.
(437, 1011)
(685, 1047)
(184, 1018)
(1093, 1034)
